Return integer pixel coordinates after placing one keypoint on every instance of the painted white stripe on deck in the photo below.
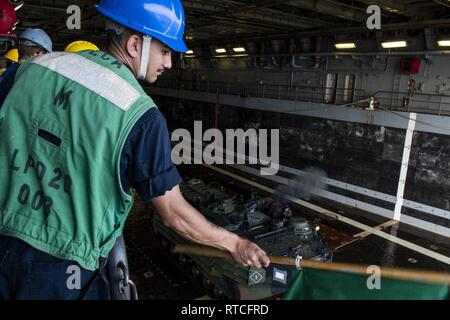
(339, 217)
(419, 223)
(389, 214)
(92, 76)
(382, 226)
(404, 167)
(325, 194)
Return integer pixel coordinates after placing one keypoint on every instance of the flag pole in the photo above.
(395, 273)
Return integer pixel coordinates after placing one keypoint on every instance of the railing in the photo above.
(437, 104)
(270, 91)
(388, 100)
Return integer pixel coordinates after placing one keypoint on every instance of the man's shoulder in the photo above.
(11, 71)
(151, 118)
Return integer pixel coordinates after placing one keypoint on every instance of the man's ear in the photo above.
(37, 54)
(133, 45)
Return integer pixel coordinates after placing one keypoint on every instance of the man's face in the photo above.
(160, 60)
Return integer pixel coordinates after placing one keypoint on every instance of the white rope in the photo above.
(298, 259)
(145, 56)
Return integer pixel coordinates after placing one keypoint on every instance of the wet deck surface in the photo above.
(159, 277)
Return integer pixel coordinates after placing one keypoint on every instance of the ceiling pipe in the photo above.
(317, 59)
(330, 8)
(389, 5)
(318, 49)
(295, 65)
(414, 25)
(325, 54)
(36, 6)
(372, 68)
(442, 3)
(268, 61)
(261, 16)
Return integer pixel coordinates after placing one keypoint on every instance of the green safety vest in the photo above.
(62, 130)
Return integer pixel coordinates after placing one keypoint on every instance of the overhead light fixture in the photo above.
(347, 45)
(443, 43)
(394, 44)
(190, 52)
(239, 49)
(392, 10)
(221, 50)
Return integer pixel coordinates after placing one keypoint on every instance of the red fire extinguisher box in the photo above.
(410, 65)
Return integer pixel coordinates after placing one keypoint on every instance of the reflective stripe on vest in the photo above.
(87, 73)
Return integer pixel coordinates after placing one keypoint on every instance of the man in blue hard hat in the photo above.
(88, 134)
(32, 43)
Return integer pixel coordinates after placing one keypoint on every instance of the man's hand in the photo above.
(180, 216)
(249, 254)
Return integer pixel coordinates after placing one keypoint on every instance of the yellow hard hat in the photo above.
(81, 45)
(12, 55)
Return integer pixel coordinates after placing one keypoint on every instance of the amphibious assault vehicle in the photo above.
(269, 223)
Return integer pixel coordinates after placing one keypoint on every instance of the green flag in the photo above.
(332, 285)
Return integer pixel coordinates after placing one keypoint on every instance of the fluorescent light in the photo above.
(348, 45)
(391, 9)
(221, 50)
(393, 44)
(239, 49)
(190, 52)
(444, 43)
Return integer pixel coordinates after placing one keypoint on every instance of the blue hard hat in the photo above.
(162, 19)
(39, 37)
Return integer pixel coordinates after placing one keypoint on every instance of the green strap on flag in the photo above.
(314, 284)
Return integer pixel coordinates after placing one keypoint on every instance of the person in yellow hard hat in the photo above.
(81, 45)
(12, 56)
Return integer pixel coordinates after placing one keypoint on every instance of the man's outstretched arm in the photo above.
(180, 216)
